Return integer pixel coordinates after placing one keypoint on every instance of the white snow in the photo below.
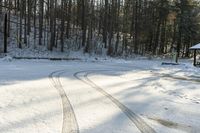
(195, 47)
(30, 103)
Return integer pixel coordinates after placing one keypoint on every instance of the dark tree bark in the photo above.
(5, 33)
(105, 28)
(41, 13)
(52, 37)
(20, 31)
(29, 17)
(84, 25)
(69, 12)
(62, 25)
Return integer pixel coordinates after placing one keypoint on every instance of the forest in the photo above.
(120, 27)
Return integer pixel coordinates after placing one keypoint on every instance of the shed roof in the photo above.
(195, 47)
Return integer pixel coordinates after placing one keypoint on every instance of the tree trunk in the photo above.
(69, 18)
(105, 24)
(41, 12)
(84, 27)
(5, 34)
(52, 37)
(62, 25)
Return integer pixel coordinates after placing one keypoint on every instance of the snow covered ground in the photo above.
(98, 96)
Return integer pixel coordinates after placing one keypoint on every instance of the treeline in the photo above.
(154, 27)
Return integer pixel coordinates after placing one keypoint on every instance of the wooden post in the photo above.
(195, 51)
(5, 33)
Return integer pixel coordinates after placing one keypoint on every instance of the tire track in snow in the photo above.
(193, 79)
(69, 124)
(136, 119)
(189, 79)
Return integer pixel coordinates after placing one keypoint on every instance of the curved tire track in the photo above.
(136, 119)
(193, 79)
(70, 124)
(189, 79)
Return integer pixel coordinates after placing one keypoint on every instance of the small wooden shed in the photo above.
(195, 48)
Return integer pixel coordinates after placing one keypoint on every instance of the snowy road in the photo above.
(97, 97)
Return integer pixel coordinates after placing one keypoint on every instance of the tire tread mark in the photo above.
(137, 120)
(180, 78)
(69, 124)
(185, 78)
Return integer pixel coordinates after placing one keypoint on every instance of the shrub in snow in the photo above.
(7, 59)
